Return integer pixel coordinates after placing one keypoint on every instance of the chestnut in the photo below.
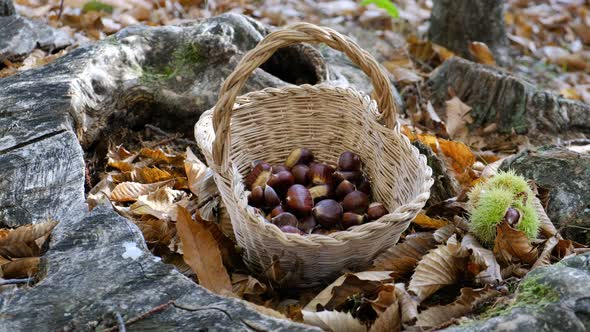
(290, 229)
(279, 168)
(256, 197)
(376, 210)
(327, 213)
(281, 181)
(307, 224)
(352, 176)
(350, 219)
(284, 219)
(319, 192)
(299, 200)
(512, 216)
(320, 174)
(299, 156)
(344, 188)
(356, 202)
(300, 173)
(349, 161)
(258, 176)
(271, 199)
(276, 211)
(364, 185)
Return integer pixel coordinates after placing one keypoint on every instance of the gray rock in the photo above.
(98, 266)
(508, 103)
(568, 309)
(20, 36)
(566, 175)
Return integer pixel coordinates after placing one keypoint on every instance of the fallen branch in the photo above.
(15, 281)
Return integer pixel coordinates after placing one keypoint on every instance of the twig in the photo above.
(15, 281)
(156, 309)
(121, 322)
(61, 9)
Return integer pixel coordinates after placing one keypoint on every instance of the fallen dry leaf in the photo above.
(442, 234)
(482, 53)
(484, 258)
(512, 246)
(464, 304)
(403, 257)
(246, 285)
(425, 221)
(161, 203)
(20, 242)
(458, 118)
(20, 268)
(159, 156)
(150, 175)
(156, 231)
(408, 306)
(334, 321)
(130, 191)
(438, 268)
(201, 253)
(389, 321)
(545, 255)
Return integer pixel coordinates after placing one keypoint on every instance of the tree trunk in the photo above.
(454, 24)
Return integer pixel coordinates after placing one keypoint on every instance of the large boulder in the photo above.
(566, 175)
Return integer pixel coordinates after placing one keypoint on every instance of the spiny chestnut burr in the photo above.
(376, 210)
(307, 224)
(327, 213)
(299, 200)
(299, 156)
(290, 229)
(320, 174)
(285, 219)
(300, 173)
(276, 211)
(344, 188)
(319, 192)
(279, 168)
(258, 176)
(356, 202)
(281, 181)
(256, 197)
(271, 199)
(351, 176)
(512, 216)
(350, 219)
(349, 161)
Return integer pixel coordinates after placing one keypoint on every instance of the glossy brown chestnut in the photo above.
(299, 156)
(300, 173)
(320, 174)
(256, 197)
(356, 202)
(512, 216)
(285, 219)
(327, 213)
(376, 210)
(279, 168)
(258, 176)
(344, 188)
(299, 200)
(271, 199)
(319, 192)
(349, 161)
(364, 185)
(290, 229)
(276, 211)
(351, 176)
(281, 181)
(350, 219)
(307, 224)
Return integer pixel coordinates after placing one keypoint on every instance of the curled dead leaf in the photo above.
(20, 242)
(512, 246)
(403, 257)
(442, 234)
(490, 269)
(389, 321)
(425, 221)
(482, 53)
(545, 255)
(130, 191)
(161, 203)
(333, 321)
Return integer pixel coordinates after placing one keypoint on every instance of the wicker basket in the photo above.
(268, 124)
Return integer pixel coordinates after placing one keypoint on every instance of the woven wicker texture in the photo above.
(268, 124)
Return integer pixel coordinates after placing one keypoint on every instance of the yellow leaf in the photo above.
(160, 156)
(201, 253)
(425, 221)
(151, 175)
(121, 165)
(482, 53)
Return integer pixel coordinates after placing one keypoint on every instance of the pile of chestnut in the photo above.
(303, 196)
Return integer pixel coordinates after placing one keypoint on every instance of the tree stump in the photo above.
(454, 24)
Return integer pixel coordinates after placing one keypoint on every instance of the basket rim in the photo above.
(334, 238)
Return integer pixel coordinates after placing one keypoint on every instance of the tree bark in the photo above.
(454, 24)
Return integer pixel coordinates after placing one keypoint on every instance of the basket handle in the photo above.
(298, 33)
